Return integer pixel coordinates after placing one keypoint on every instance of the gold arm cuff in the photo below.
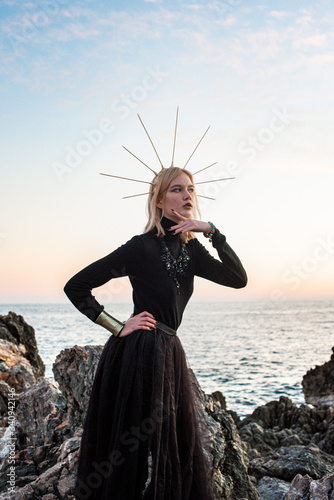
(112, 324)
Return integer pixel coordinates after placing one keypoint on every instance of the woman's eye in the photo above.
(176, 190)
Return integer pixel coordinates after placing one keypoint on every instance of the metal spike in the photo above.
(197, 146)
(126, 178)
(198, 171)
(143, 194)
(208, 197)
(177, 115)
(215, 180)
(148, 135)
(133, 195)
(128, 150)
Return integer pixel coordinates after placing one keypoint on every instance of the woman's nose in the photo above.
(187, 195)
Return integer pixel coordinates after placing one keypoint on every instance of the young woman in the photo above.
(141, 438)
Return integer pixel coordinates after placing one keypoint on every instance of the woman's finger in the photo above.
(145, 313)
(179, 215)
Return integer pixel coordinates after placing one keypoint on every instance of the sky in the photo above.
(74, 75)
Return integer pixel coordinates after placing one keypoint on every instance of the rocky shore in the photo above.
(279, 452)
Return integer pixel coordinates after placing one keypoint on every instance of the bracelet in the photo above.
(110, 323)
(211, 233)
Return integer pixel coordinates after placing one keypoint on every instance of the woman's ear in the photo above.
(159, 203)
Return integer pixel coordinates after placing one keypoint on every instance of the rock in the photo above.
(15, 372)
(20, 363)
(49, 417)
(11, 357)
(286, 462)
(327, 442)
(40, 413)
(58, 481)
(299, 488)
(14, 329)
(303, 488)
(74, 371)
(318, 384)
(282, 424)
(228, 458)
(271, 488)
(220, 399)
(323, 488)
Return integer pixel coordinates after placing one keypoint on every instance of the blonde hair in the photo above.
(157, 192)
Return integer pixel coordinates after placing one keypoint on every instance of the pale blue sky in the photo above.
(73, 75)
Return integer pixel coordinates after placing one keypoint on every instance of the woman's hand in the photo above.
(186, 225)
(142, 321)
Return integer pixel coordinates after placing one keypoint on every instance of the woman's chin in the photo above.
(187, 213)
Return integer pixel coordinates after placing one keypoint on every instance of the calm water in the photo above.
(252, 352)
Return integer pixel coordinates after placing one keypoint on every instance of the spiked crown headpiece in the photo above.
(172, 164)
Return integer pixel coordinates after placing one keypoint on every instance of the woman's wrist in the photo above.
(211, 231)
(110, 323)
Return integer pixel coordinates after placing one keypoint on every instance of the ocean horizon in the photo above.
(251, 351)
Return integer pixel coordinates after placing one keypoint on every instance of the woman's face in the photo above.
(179, 197)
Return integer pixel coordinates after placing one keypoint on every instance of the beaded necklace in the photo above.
(175, 267)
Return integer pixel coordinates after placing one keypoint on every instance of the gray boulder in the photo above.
(271, 488)
(50, 416)
(318, 384)
(20, 363)
(40, 411)
(227, 453)
(14, 329)
(74, 370)
(304, 488)
(286, 462)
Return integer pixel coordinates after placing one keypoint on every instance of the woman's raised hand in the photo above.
(142, 321)
(186, 225)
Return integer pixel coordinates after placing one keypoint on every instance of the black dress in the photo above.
(141, 437)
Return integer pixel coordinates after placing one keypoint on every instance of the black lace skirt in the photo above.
(141, 438)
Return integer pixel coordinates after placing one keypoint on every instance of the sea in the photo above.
(252, 351)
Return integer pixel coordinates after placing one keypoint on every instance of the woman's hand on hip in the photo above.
(142, 321)
(197, 226)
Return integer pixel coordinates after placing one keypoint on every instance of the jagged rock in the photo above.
(57, 482)
(323, 488)
(40, 430)
(14, 329)
(15, 371)
(271, 488)
(282, 424)
(40, 413)
(20, 363)
(74, 371)
(48, 454)
(318, 384)
(286, 462)
(326, 443)
(299, 488)
(303, 488)
(227, 453)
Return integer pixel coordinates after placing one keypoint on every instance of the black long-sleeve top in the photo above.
(153, 289)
